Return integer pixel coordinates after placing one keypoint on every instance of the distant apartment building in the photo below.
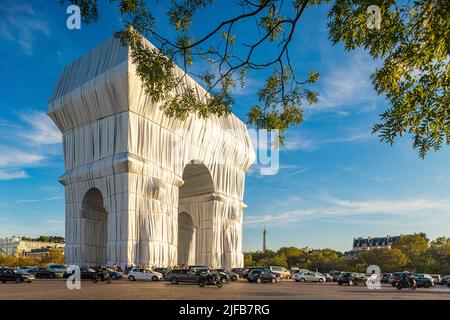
(365, 244)
(17, 247)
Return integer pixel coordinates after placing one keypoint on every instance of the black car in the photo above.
(262, 275)
(233, 276)
(351, 278)
(176, 276)
(85, 274)
(239, 272)
(10, 274)
(163, 271)
(385, 277)
(423, 280)
(250, 269)
(43, 273)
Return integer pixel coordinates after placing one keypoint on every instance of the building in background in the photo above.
(17, 247)
(365, 244)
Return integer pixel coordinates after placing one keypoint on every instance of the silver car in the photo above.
(309, 277)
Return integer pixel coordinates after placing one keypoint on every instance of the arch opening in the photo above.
(95, 222)
(197, 182)
(186, 239)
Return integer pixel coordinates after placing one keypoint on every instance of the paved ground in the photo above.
(240, 290)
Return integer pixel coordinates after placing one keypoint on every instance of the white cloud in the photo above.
(23, 144)
(11, 157)
(39, 200)
(12, 175)
(341, 208)
(308, 142)
(43, 130)
(346, 85)
(20, 23)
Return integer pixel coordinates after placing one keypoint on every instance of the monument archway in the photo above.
(95, 227)
(126, 180)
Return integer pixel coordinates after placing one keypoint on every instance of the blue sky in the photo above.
(336, 180)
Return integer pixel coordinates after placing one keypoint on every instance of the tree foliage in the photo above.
(413, 253)
(413, 45)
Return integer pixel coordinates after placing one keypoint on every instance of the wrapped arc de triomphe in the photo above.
(141, 187)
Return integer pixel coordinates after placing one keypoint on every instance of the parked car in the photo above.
(232, 275)
(445, 280)
(335, 275)
(198, 267)
(239, 272)
(11, 274)
(423, 280)
(176, 276)
(309, 277)
(163, 271)
(85, 274)
(144, 274)
(437, 279)
(24, 269)
(60, 269)
(250, 269)
(352, 278)
(261, 275)
(115, 275)
(43, 273)
(385, 277)
(282, 271)
(328, 277)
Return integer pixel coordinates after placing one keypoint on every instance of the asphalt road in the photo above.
(240, 290)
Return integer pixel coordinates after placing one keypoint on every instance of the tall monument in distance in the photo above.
(264, 239)
(141, 187)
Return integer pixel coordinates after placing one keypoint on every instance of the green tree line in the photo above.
(55, 256)
(412, 253)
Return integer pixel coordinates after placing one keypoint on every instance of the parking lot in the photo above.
(239, 290)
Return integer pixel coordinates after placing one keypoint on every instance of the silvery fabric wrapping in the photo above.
(140, 187)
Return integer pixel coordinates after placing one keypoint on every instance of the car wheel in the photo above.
(224, 280)
(320, 280)
(350, 282)
(302, 280)
(154, 278)
(114, 277)
(296, 280)
(201, 283)
(37, 276)
(174, 280)
(51, 276)
(427, 285)
(273, 280)
(131, 278)
(258, 280)
(340, 283)
(17, 280)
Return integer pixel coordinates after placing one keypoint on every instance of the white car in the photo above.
(309, 277)
(144, 274)
(59, 269)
